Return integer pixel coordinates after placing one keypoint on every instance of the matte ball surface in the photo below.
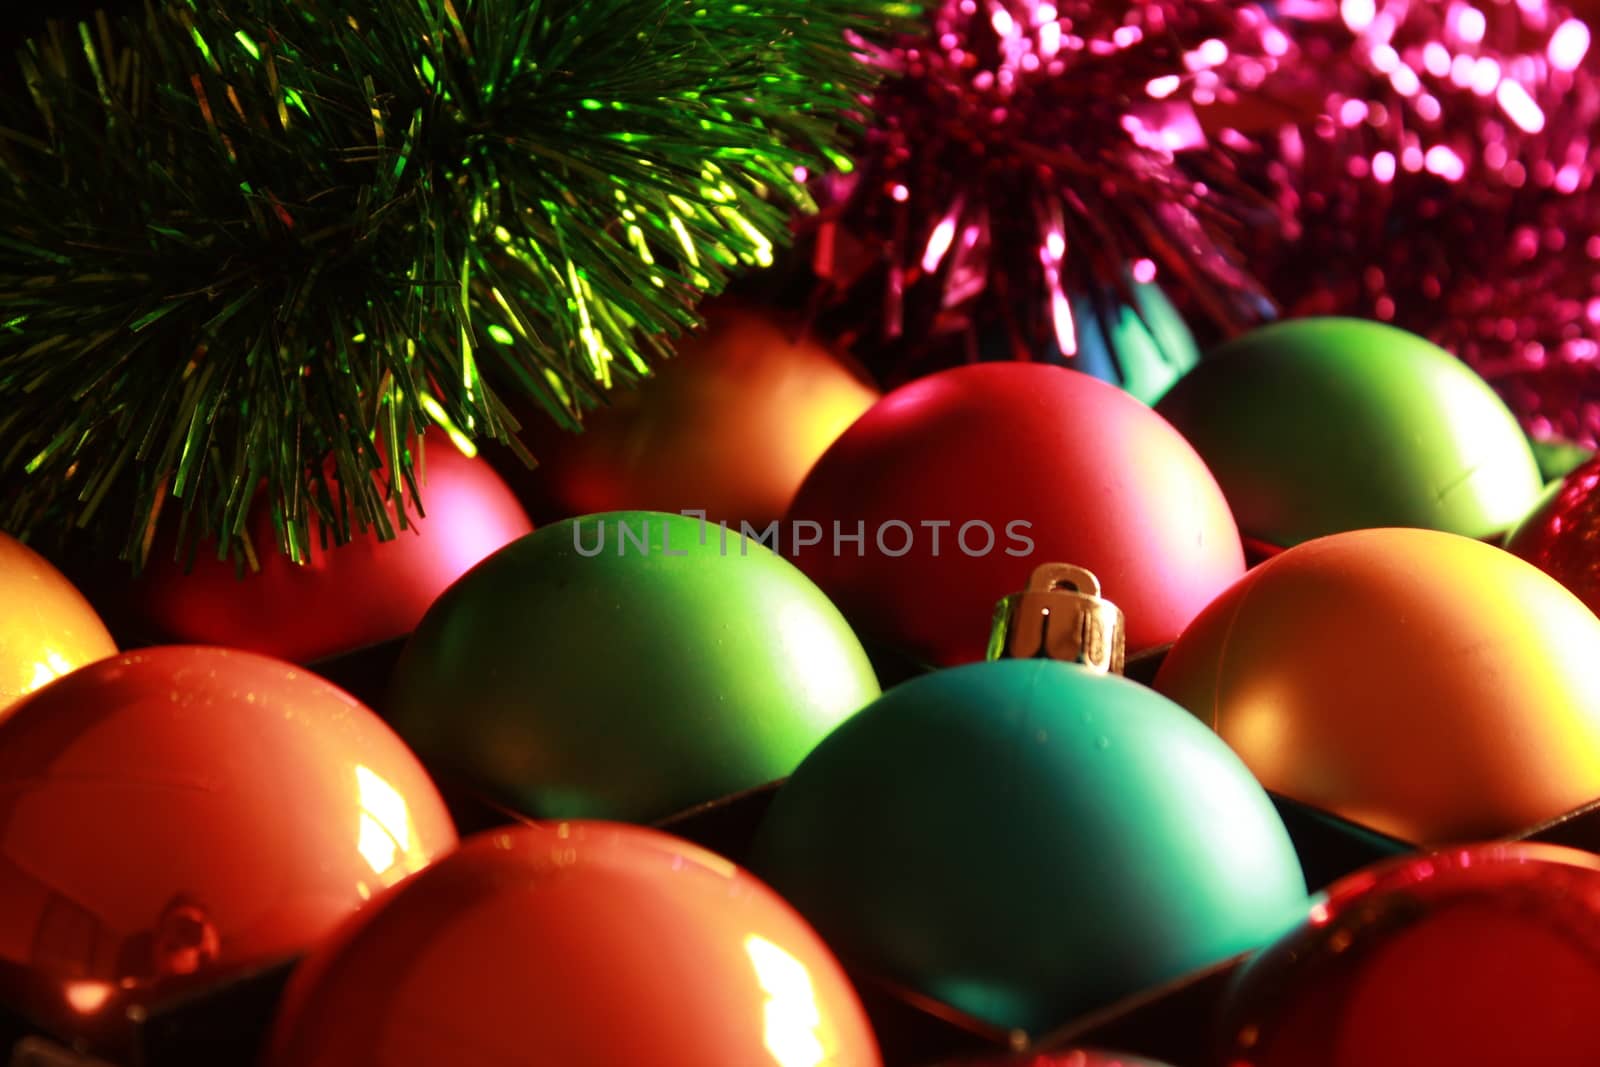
(1426, 685)
(344, 597)
(627, 666)
(1317, 426)
(1487, 955)
(963, 482)
(578, 944)
(1028, 841)
(47, 628)
(728, 426)
(183, 811)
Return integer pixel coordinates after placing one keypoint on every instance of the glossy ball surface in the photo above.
(579, 944)
(1485, 955)
(1070, 1058)
(1562, 535)
(47, 628)
(180, 812)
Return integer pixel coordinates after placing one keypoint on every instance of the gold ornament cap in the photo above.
(1061, 616)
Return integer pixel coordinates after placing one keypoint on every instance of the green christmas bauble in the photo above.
(1319, 426)
(627, 666)
(1558, 458)
(1029, 841)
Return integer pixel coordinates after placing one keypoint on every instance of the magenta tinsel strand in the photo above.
(1447, 186)
(1023, 150)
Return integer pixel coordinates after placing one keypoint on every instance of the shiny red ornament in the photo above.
(943, 498)
(344, 596)
(177, 814)
(1024, 153)
(1071, 1058)
(1445, 184)
(581, 944)
(1487, 955)
(1562, 535)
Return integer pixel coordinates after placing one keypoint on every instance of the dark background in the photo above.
(26, 17)
(31, 16)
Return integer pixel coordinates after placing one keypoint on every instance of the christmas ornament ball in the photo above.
(1131, 334)
(729, 426)
(1070, 1058)
(1029, 841)
(627, 666)
(1561, 536)
(580, 944)
(47, 627)
(1558, 458)
(1424, 684)
(956, 486)
(182, 812)
(1320, 425)
(1482, 955)
(344, 597)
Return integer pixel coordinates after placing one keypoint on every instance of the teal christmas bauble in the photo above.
(626, 666)
(1129, 334)
(1029, 841)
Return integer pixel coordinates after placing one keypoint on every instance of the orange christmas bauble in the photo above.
(47, 628)
(344, 597)
(1424, 684)
(730, 425)
(176, 814)
(578, 944)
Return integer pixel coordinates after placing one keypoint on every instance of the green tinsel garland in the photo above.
(239, 236)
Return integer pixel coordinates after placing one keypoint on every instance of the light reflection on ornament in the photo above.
(385, 832)
(50, 666)
(86, 997)
(792, 1016)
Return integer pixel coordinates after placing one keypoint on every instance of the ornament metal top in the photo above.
(1060, 616)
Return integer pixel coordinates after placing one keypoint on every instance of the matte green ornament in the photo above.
(1029, 841)
(1318, 426)
(1558, 458)
(627, 666)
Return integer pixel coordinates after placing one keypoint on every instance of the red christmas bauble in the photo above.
(960, 484)
(47, 628)
(344, 597)
(1484, 955)
(728, 426)
(178, 813)
(578, 944)
(1561, 536)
